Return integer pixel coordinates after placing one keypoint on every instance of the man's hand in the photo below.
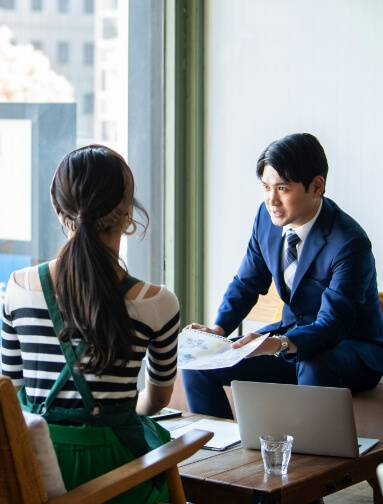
(267, 347)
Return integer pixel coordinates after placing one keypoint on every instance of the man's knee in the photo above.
(319, 370)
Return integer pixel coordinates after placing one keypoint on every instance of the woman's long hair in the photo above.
(88, 185)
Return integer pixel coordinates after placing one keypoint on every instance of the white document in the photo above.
(226, 434)
(202, 350)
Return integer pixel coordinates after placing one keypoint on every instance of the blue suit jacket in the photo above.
(334, 295)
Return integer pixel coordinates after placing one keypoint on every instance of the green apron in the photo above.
(107, 436)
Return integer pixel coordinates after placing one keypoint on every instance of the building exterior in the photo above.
(63, 30)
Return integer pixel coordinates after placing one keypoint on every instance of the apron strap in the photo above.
(128, 283)
(70, 355)
(139, 434)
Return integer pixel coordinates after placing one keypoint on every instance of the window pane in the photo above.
(37, 44)
(88, 103)
(63, 5)
(109, 28)
(7, 4)
(89, 6)
(37, 5)
(109, 4)
(88, 49)
(62, 53)
(72, 68)
(109, 131)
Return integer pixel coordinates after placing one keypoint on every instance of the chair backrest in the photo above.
(20, 477)
(268, 307)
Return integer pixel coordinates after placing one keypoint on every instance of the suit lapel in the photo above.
(315, 241)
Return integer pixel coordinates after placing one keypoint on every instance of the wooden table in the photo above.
(236, 476)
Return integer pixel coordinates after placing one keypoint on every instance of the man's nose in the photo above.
(274, 197)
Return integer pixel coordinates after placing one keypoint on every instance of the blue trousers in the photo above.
(337, 367)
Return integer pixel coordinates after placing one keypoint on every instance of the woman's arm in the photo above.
(153, 398)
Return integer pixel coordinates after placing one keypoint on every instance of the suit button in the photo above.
(299, 315)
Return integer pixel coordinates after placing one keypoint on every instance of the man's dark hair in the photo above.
(298, 158)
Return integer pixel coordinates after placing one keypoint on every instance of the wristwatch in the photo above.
(284, 348)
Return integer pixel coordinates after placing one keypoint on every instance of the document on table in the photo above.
(226, 434)
(202, 350)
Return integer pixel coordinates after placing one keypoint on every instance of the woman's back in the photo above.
(76, 330)
(29, 331)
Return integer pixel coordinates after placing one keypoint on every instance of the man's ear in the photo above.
(318, 185)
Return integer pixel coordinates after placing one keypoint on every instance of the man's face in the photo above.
(288, 202)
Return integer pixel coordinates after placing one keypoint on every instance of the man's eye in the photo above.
(281, 188)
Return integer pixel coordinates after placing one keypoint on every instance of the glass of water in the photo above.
(276, 452)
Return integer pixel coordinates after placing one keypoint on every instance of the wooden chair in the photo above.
(20, 476)
(269, 307)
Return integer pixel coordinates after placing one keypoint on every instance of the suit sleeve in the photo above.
(252, 279)
(347, 307)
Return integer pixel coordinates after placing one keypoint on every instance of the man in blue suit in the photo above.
(331, 332)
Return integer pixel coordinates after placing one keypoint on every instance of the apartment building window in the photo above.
(88, 104)
(109, 131)
(38, 45)
(88, 53)
(37, 5)
(109, 28)
(109, 4)
(88, 6)
(108, 80)
(62, 53)
(7, 4)
(63, 5)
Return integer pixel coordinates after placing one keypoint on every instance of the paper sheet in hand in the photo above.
(202, 350)
(226, 434)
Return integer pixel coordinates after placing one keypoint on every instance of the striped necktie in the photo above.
(291, 257)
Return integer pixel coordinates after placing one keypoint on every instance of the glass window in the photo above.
(109, 28)
(88, 53)
(37, 5)
(109, 4)
(88, 107)
(38, 45)
(62, 53)
(63, 5)
(86, 98)
(89, 6)
(108, 80)
(109, 131)
(7, 4)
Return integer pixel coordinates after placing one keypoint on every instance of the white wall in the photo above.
(275, 67)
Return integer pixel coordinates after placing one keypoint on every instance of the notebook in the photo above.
(226, 434)
(321, 419)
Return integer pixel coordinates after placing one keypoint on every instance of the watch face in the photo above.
(283, 348)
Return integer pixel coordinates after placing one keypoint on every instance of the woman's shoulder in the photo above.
(142, 291)
(21, 291)
(27, 278)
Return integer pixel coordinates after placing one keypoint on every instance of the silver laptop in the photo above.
(321, 419)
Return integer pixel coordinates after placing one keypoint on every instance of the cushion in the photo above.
(46, 455)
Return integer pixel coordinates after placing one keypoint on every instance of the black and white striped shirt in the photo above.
(31, 353)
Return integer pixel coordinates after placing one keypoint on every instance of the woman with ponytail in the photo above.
(76, 329)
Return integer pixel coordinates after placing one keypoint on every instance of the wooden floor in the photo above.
(356, 494)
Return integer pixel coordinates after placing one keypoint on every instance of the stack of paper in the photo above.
(226, 434)
(202, 350)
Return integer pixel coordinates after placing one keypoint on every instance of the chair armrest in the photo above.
(123, 478)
